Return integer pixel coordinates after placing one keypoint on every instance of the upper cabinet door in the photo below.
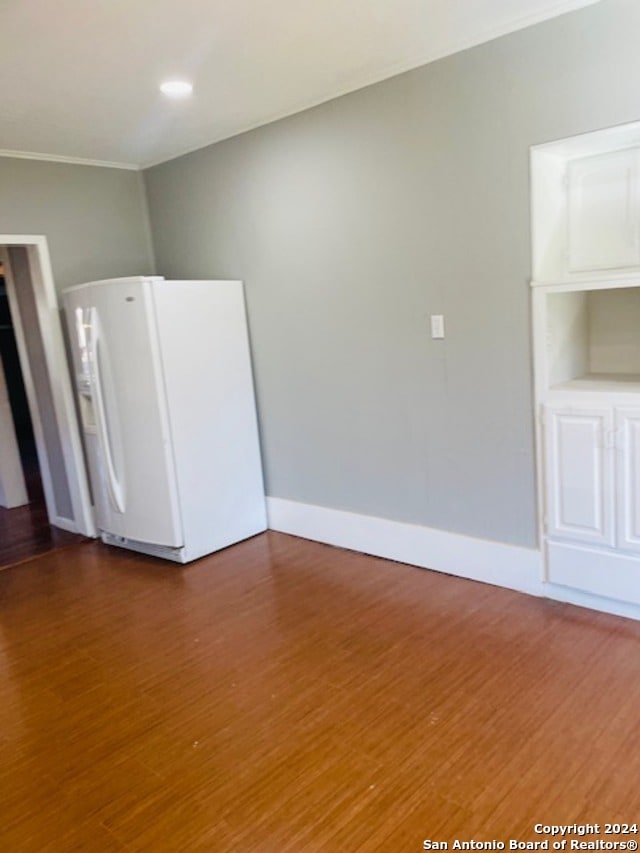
(603, 211)
(579, 475)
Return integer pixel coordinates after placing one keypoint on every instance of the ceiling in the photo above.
(80, 79)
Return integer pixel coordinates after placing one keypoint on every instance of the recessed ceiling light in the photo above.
(176, 88)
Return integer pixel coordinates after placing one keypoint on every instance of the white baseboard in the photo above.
(495, 563)
(475, 559)
(592, 602)
(64, 523)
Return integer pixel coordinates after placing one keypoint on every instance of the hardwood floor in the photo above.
(288, 696)
(25, 531)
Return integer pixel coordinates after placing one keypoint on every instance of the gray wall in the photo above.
(95, 219)
(352, 222)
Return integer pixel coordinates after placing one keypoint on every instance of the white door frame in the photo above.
(48, 313)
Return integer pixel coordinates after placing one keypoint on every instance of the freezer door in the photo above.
(207, 372)
(136, 488)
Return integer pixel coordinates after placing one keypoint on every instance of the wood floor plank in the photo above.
(25, 531)
(283, 695)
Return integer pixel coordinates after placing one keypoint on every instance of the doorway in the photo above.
(17, 398)
(46, 444)
(24, 524)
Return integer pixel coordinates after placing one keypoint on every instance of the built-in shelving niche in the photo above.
(593, 340)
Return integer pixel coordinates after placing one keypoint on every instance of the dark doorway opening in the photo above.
(25, 530)
(18, 398)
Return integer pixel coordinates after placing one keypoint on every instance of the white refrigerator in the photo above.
(167, 410)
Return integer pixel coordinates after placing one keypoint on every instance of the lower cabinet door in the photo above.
(579, 474)
(628, 478)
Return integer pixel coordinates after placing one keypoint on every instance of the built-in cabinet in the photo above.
(593, 474)
(586, 334)
(602, 212)
(579, 474)
(627, 474)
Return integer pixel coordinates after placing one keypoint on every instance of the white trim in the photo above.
(612, 282)
(538, 320)
(66, 524)
(63, 398)
(53, 345)
(507, 566)
(593, 602)
(72, 161)
(552, 10)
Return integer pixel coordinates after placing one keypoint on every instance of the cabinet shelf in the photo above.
(620, 383)
(589, 339)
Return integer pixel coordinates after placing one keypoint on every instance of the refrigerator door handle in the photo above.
(116, 492)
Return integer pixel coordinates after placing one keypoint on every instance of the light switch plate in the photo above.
(437, 326)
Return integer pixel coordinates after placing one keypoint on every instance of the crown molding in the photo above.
(72, 161)
(552, 10)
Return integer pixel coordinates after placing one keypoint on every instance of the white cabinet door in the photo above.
(628, 478)
(579, 474)
(603, 209)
